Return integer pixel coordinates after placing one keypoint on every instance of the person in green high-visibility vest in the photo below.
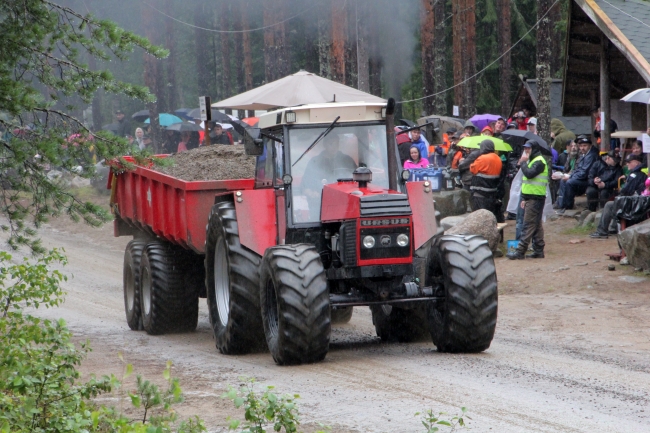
(533, 193)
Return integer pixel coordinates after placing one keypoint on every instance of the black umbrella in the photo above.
(517, 137)
(407, 123)
(217, 116)
(182, 112)
(140, 116)
(185, 126)
(111, 127)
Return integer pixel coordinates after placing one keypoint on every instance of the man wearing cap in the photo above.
(576, 183)
(532, 125)
(635, 184)
(533, 195)
(123, 128)
(603, 180)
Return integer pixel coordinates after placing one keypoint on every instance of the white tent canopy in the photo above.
(300, 88)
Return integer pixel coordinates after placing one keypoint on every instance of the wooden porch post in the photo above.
(604, 93)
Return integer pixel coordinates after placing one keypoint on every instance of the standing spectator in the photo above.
(560, 134)
(170, 141)
(576, 183)
(415, 159)
(532, 125)
(486, 171)
(185, 139)
(139, 139)
(603, 180)
(469, 128)
(123, 127)
(499, 127)
(464, 164)
(218, 136)
(533, 194)
(520, 120)
(417, 141)
(635, 184)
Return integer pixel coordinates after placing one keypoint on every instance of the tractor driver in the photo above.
(326, 167)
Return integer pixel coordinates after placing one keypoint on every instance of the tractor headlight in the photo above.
(369, 242)
(402, 240)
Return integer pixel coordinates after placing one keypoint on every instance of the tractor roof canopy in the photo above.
(323, 113)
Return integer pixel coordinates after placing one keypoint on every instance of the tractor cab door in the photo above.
(269, 170)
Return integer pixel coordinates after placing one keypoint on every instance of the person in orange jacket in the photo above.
(486, 172)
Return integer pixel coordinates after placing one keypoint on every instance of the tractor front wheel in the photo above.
(294, 296)
(466, 319)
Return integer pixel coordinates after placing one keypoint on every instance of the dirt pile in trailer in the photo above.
(218, 162)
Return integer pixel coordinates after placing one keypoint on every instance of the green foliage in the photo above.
(263, 408)
(42, 66)
(435, 422)
(40, 386)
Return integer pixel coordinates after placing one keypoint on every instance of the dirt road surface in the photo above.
(571, 351)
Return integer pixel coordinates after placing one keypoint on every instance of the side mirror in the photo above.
(253, 142)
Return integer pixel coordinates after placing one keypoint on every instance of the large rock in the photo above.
(452, 221)
(452, 203)
(635, 241)
(482, 222)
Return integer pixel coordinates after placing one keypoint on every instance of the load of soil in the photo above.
(216, 162)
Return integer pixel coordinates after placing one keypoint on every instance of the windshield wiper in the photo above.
(319, 138)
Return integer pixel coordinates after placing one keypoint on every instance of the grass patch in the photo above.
(580, 230)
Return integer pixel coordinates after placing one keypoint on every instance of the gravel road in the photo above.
(571, 353)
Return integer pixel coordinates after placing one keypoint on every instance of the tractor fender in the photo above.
(256, 218)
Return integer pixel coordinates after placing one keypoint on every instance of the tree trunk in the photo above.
(201, 50)
(557, 41)
(351, 44)
(427, 26)
(544, 46)
(459, 41)
(151, 76)
(363, 79)
(97, 99)
(246, 45)
(439, 101)
(504, 40)
(324, 39)
(469, 106)
(339, 25)
(283, 52)
(225, 50)
(270, 55)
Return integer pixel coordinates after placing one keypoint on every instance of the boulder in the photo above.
(589, 219)
(635, 241)
(584, 214)
(452, 203)
(79, 182)
(482, 222)
(452, 221)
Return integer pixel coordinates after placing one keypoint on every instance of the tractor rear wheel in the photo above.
(394, 323)
(342, 314)
(131, 283)
(232, 285)
(295, 304)
(466, 320)
(167, 303)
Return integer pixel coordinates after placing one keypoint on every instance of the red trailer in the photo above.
(329, 222)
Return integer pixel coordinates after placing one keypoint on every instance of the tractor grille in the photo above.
(348, 247)
(385, 205)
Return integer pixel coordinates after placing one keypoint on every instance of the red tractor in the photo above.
(328, 223)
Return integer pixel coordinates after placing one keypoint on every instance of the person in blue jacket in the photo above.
(577, 182)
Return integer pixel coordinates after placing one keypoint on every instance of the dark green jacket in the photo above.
(562, 135)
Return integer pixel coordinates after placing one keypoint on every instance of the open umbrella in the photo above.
(482, 120)
(184, 126)
(182, 112)
(111, 127)
(166, 119)
(217, 116)
(639, 95)
(474, 142)
(516, 137)
(252, 121)
(140, 116)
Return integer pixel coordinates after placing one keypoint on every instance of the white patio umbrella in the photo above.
(300, 88)
(639, 95)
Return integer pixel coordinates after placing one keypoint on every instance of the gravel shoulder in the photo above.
(571, 352)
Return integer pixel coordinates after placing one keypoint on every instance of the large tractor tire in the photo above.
(394, 323)
(232, 285)
(131, 283)
(342, 314)
(168, 303)
(295, 304)
(466, 320)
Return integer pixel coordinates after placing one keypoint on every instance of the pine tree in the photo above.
(543, 68)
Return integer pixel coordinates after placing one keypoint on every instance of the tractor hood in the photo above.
(345, 200)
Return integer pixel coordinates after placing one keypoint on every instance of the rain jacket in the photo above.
(562, 135)
(532, 171)
(635, 182)
(607, 174)
(581, 171)
(486, 170)
(463, 167)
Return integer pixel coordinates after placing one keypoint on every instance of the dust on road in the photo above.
(571, 351)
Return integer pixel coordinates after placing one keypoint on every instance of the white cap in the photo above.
(532, 121)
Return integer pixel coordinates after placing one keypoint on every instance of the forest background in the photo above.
(406, 49)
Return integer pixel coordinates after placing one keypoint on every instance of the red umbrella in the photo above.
(252, 121)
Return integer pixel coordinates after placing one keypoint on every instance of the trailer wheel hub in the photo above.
(221, 282)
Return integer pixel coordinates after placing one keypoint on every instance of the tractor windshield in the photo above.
(335, 157)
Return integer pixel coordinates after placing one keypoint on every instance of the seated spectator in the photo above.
(469, 128)
(634, 184)
(415, 159)
(532, 125)
(576, 183)
(512, 125)
(603, 180)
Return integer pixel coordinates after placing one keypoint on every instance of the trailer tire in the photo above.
(232, 285)
(466, 320)
(168, 304)
(131, 283)
(342, 314)
(400, 324)
(295, 304)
